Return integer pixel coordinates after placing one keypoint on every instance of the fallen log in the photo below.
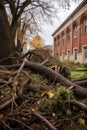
(78, 90)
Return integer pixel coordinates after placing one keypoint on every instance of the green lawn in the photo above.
(78, 74)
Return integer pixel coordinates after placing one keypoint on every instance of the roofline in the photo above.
(71, 15)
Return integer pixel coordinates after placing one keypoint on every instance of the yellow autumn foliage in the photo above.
(81, 121)
(36, 42)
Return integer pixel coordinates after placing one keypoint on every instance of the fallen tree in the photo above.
(32, 88)
(78, 90)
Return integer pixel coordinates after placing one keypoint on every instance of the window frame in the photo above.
(85, 25)
(75, 31)
(63, 38)
(85, 54)
(75, 54)
(63, 55)
(68, 34)
(58, 38)
(68, 54)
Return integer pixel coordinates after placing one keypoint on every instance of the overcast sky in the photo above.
(47, 29)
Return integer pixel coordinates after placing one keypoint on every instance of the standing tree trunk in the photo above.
(7, 45)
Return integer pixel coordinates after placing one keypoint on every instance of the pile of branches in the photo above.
(23, 96)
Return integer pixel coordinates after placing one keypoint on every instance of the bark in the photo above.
(82, 83)
(36, 88)
(78, 104)
(78, 90)
(80, 79)
(6, 39)
(84, 69)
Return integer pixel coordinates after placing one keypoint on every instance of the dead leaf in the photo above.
(81, 121)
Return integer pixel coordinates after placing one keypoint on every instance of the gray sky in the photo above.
(48, 29)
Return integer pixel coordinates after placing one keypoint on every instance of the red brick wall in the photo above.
(73, 42)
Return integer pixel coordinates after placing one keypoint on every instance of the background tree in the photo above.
(36, 42)
(27, 28)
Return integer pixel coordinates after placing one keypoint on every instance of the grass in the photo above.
(78, 74)
(81, 68)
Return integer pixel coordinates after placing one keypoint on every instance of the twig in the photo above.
(44, 62)
(2, 86)
(20, 122)
(44, 120)
(21, 89)
(21, 67)
(7, 72)
(14, 93)
(68, 119)
(26, 115)
(19, 70)
(6, 125)
(6, 102)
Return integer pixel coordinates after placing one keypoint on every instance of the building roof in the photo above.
(48, 46)
(84, 2)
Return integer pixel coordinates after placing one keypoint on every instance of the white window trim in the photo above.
(63, 52)
(75, 31)
(85, 25)
(74, 53)
(84, 59)
(67, 53)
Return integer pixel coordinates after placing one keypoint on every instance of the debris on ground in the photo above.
(34, 96)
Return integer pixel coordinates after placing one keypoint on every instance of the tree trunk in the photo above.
(7, 45)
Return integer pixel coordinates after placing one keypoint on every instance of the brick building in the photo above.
(70, 39)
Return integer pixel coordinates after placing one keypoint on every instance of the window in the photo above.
(58, 40)
(55, 40)
(56, 54)
(85, 25)
(63, 55)
(68, 54)
(75, 54)
(63, 38)
(54, 44)
(85, 52)
(68, 35)
(75, 30)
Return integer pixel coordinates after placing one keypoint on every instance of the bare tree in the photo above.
(35, 9)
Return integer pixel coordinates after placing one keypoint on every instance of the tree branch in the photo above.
(44, 120)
